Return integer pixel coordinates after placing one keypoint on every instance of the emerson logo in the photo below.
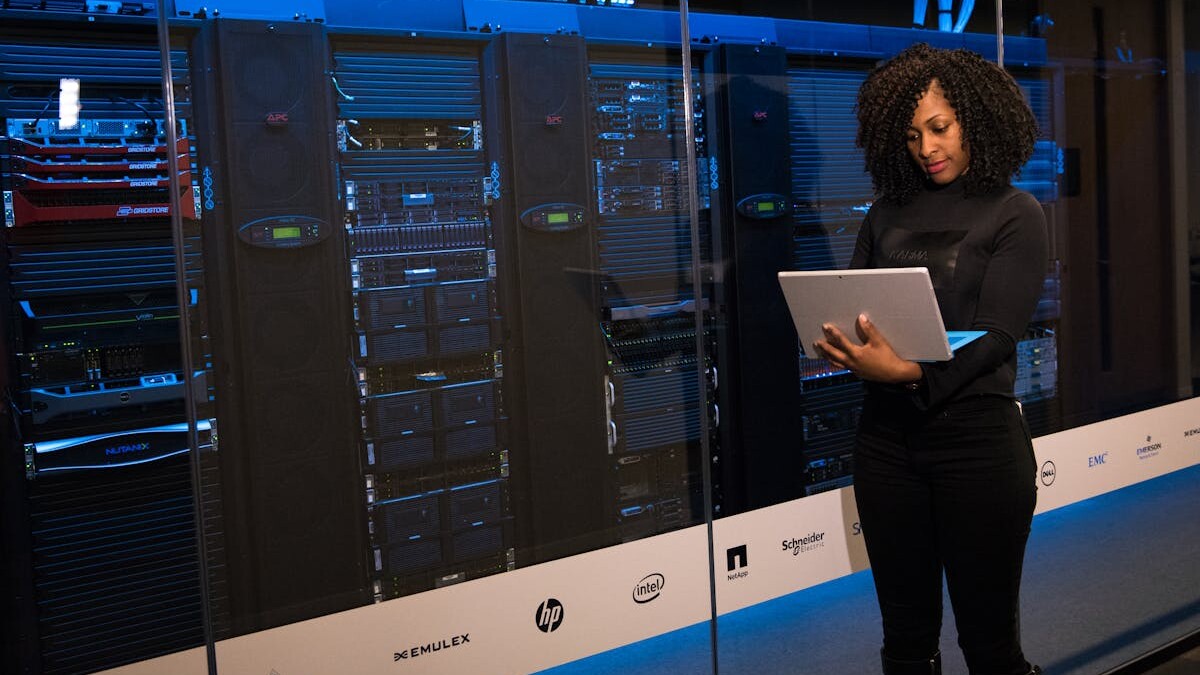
(649, 588)
(811, 542)
(1048, 473)
(417, 651)
(1148, 450)
(549, 615)
(735, 560)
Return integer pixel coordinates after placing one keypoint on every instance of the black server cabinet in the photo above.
(545, 253)
(280, 317)
(760, 393)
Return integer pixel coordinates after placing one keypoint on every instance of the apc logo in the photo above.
(549, 615)
(1048, 473)
(649, 588)
(1097, 460)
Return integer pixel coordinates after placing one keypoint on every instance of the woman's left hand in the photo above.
(874, 361)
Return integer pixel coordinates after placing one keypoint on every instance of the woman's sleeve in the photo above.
(862, 245)
(1009, 294)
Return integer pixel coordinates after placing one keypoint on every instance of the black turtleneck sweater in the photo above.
(986, 257)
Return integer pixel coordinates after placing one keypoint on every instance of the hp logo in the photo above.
(549, 615)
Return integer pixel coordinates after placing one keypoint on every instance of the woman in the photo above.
(944, 467)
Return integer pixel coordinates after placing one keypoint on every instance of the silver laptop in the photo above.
(899, 300)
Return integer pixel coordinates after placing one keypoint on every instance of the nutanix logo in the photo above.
(736, 559)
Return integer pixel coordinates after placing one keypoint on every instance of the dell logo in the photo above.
(649, 588)
(1048, 473)
(549, 615)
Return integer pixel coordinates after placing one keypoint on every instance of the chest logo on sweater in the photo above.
(937, 251)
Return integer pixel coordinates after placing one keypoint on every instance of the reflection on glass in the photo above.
(449, 324)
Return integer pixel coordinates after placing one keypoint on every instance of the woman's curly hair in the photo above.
(998, 128)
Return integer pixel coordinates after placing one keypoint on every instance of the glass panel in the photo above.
(450, 334)
(789, 551)
(101, 565)
(1119, 223)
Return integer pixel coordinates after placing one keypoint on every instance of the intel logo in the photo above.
(649, 588)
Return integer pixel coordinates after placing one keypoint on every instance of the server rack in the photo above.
(429, 357)
(98, 498)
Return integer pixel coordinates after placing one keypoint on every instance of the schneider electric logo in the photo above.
(417, 651)
(649, 588)
(810, 542)
(735, 560)
(1150, 449)
(549, 615)
(1192, 432)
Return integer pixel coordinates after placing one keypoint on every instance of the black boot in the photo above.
(929, 666)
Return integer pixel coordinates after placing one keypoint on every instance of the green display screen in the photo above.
(285, 233)
(766, 206)
(556, 218)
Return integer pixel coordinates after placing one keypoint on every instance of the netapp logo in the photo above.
(649, 588)
(735, 559)
(416, 651)
(1048, 473)
(811, 542)
(1097, 460)
(1149, 449)
(549, 615)
(142, 210)
(118, 450)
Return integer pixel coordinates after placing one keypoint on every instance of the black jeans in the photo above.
(951, 490)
